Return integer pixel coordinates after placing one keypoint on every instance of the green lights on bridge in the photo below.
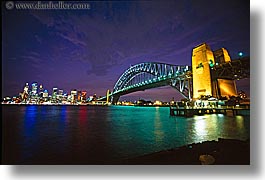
(211, 63)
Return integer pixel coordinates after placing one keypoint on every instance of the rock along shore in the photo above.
(221, 152)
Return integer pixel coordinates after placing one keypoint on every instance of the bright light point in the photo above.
(240, 54)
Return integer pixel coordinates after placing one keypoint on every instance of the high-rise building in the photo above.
(41, 90)
(25, 93)
(26, 88)
(60, 92)
(41, 87)
(34, 88)
(54, 92)
(60, 95)
(64, 97)
(79, 96)
(73, 96)
(69, 98)
(83, 98)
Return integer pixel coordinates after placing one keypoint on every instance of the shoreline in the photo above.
(221, 152)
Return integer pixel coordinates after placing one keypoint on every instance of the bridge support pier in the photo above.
(115, 99)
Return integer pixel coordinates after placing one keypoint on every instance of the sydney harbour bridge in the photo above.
(148, 75)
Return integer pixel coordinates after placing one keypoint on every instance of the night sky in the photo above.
(89, 49)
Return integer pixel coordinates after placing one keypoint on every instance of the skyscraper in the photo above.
(73, 96)
(60, 95)
(26, 88)
(41, 91)
(60, 92)
(54, 92)
(83, 98)
(79, 96)
(34, 88)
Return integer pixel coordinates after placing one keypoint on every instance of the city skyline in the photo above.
(89, 49)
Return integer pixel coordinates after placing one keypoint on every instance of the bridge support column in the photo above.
(202, 55)
(189, 88)
(115, 99)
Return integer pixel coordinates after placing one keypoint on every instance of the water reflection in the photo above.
(200, 127)
(29, 121)
(205, 127)
(30, 133)
(83, 134)
(63, 112)
(159, 131)
(240, 122)
(82, 127)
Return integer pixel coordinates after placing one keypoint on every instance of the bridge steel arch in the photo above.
(151, 75)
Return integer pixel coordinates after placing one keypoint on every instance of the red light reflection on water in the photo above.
(82, 115)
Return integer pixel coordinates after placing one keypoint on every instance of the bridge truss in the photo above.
(153, 74)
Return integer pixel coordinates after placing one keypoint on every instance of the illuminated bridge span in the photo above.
(149, 75)
(213, 73)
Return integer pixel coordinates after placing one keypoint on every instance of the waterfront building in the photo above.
(54, 92)
(69, 98)
(73, 96)
(90, 98)
(83, 96)
(157, 103)
(60, 94)
(94, 97)
(79, 96)
(45, 94)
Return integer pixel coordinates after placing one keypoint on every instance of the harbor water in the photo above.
(48, 134)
